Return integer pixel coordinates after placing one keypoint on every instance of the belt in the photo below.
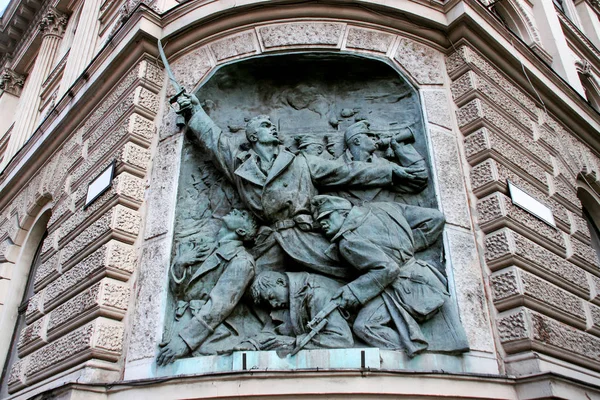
(290, 223)
(283, 224)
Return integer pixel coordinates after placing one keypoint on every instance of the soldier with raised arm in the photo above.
(277, 186)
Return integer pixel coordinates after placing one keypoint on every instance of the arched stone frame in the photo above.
(19, 258)
(590, 83)
(590, 202)
(422, 65)
(518, 20)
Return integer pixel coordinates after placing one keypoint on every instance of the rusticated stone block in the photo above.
(35, 307)
(367, 39)
(497, 208)
(553, 333)
(33, 332)
(62, 209)
(583, 254)
(437, 108)
(301, 33)
(469, 113)
(466, 55)
(579, 227)
(147, 99)
(46, 272)
(150, 72)
(107, 124)
(423, 63)
(114, 259)
(92, 233)
(16, 377)
(190, 69)
(505, 284)
(513, 327)
(109, 297)
(595, 287)
(119, 218)
(551, 295)
(484, 173)
(564, 192)
(594, 316)
(458, 60)
(136, 155)
(463, 85)
(120, 89)
(124, 185)
(101, 339)
(4, 248)
(235, 45)
(506, 247)
(141, 126)
(519, 135)
(484, 142)
(505, 103)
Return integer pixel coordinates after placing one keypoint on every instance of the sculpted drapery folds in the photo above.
(347, 248)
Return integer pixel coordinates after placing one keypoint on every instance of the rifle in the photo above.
(316, 325)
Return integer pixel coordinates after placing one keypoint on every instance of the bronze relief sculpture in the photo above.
(280, 245)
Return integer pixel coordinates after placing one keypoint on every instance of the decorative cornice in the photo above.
(54, 23)
(11, 82)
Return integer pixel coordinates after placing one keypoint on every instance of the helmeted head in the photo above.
(310, 144)
(331, 212)
(271, 287)
(260, 129)
(360, 140)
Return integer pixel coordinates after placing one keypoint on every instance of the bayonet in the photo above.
(178, 88)
(316, 325)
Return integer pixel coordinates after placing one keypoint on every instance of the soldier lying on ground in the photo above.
(302, 296)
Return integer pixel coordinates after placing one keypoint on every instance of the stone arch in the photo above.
(23, 250)
(518, 19)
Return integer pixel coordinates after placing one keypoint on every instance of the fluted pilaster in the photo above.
(84, 44)
(52, 27)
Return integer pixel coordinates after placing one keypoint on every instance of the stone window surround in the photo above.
(423, 66)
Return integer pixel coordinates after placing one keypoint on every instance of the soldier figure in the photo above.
(302, 296)
(395, 292)
(209, 318)
(277, 187)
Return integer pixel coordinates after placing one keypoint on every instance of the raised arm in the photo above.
(209, 135)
